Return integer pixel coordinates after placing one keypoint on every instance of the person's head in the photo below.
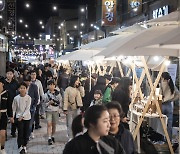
(96, 120)
(25, 71)
(126, 85)
(27, 80)
(74, 81)
(97, 94)
(39, 71)
(33, 75)
(108, 78)
(22, 88)
(51, 85)
(115, 114)
(115, 82)
(10, 74)
(2, 82)
(101, 81)
(77, 124)
(46, 67)
(166, 78)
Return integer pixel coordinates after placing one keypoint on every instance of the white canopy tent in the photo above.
(130, 45)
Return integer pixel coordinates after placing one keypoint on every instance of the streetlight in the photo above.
(75, 26)
(20, 20)
(40, 22)
(26, 25)
(42, 27)
(27, 5)
(82, 9)
(1, 16)
(54, 8)
(82, 24)
(27, 34)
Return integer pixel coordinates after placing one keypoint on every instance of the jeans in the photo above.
(31, 123)
(167, 109)
(69, 118)
(37, 121)
(23, 130)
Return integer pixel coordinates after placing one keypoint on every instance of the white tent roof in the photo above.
(130, 45)
(80, 55)
(103, 43)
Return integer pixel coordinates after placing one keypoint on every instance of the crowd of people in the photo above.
(96, 111)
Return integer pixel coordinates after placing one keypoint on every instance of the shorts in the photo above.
(52, 116)
(3, 121)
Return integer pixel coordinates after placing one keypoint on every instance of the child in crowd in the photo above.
(21, 107)
(97, 98)
(52, 100)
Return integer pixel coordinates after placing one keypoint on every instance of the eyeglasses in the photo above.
(114, 116)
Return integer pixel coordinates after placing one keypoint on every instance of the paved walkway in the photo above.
(39, 145)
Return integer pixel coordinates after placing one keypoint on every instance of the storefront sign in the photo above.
(161, 12)
(109, 12)
(11, 16)
(134, 7)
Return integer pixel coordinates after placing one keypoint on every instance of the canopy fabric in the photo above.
(130, 45)
(169, 40)
(131, 29)
(80, 55)
(103, 43)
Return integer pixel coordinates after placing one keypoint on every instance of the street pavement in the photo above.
(39, 144)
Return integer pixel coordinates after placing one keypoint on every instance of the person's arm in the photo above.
(41, 91)
(36, 97)
(14, 107)
(65, 103)
(79, 99)
(82, 91)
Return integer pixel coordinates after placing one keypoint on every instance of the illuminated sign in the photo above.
(11, 16)
(109, 12)
(161, 12)
(134, 7)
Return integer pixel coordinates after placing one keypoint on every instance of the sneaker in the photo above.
(21, 150)
(52, 138)
(50, 142)
(32, 135)
(37, 127)
(25, 149)
(2, 151)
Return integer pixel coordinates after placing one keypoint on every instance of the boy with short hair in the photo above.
(52, 100)
(21, 107)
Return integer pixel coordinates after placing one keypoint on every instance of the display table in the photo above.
(153, 121)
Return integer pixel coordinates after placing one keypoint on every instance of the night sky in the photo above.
(40, 10)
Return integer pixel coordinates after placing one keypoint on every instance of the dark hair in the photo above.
(98, 92)
(51, 82)
(10, 70)
(124, 84)
(115, 105)
(23, 84)
(77, 125)
(33, 71)
(73, 80)
(108, 77)
(92, 115)
(101, 80)
(167, 76)
(27, 78)
(115, 80)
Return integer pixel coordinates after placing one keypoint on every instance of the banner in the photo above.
(109, 12)
(11, 16)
